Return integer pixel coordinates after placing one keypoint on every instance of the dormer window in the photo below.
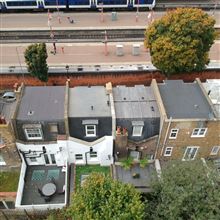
(137, 128)
(33, 132)
(90, 127)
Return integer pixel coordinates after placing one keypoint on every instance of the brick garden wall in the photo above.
(129, 79)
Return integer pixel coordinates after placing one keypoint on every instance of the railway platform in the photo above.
(83, 20)
(77, 54)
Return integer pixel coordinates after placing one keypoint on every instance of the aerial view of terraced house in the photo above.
(40, 131)
(137, 121)
(90, 126)
(189, 122)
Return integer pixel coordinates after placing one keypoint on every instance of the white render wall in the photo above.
(103, 147)
(58, 149)
(66, 150)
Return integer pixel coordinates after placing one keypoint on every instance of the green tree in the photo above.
(36, 60)
(180, 40)
(186, 191)
(102, 198)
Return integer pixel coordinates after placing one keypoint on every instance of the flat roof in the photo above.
(42, 103)
(184, 100)
(7, 109)
(212, 87)
(135, 102)
(89, 102)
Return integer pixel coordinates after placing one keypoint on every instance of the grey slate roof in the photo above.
(44, 103)
(184, 100)
(135, 102)
(89, 102)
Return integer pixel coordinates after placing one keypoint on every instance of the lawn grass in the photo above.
(87, 169)
(9, 181)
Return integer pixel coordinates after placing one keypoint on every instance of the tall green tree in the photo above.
(180, 40)
(186, 191)
(36, 60)
(102, 198)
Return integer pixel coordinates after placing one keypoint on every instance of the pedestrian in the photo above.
(62, 48)
(70, 20)
(54, 48)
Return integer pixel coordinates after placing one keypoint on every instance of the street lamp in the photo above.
(50, 24)
(58, 12)
(105, 42)
(215, 6)
(150, 16)
(67, 69)
(102, 12)
(20, 63)
(137, 12)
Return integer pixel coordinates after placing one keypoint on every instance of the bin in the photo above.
(114, 16)
(136, 49)
(119, 50)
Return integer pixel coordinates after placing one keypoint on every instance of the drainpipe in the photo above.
(158, 141)
(28, 152)
(23, 155)
(165, 139)
(90, 150)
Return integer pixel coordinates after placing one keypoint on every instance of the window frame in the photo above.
(32, 127)
(77, 159)
(192, 147)
(93, 152)
(32, 159)
(94, 131)
(173, 131)
(51, 128)
(198, 132)
(213, 152)
(133, 130)
(165, 152)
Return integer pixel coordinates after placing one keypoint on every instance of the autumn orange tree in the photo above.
(102, 198)
(180, 40)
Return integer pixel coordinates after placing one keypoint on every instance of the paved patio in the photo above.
(145, 176)
(36, 177)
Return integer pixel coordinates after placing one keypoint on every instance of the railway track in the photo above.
(71, 35)
(74, 35)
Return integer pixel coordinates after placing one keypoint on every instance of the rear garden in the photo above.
(9, 181)
(82, 172)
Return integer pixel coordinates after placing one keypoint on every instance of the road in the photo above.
(83, 20)
(86, 53)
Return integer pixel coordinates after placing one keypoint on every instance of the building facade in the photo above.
(137, 120)
(189, 123)
(90, 126)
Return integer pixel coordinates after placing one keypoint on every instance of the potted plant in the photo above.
(143, 162)
(136, 175)
(127, 163)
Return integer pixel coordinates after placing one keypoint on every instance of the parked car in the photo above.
(9, 97)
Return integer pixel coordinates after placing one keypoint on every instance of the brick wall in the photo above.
(129, 79)
(184, 139)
